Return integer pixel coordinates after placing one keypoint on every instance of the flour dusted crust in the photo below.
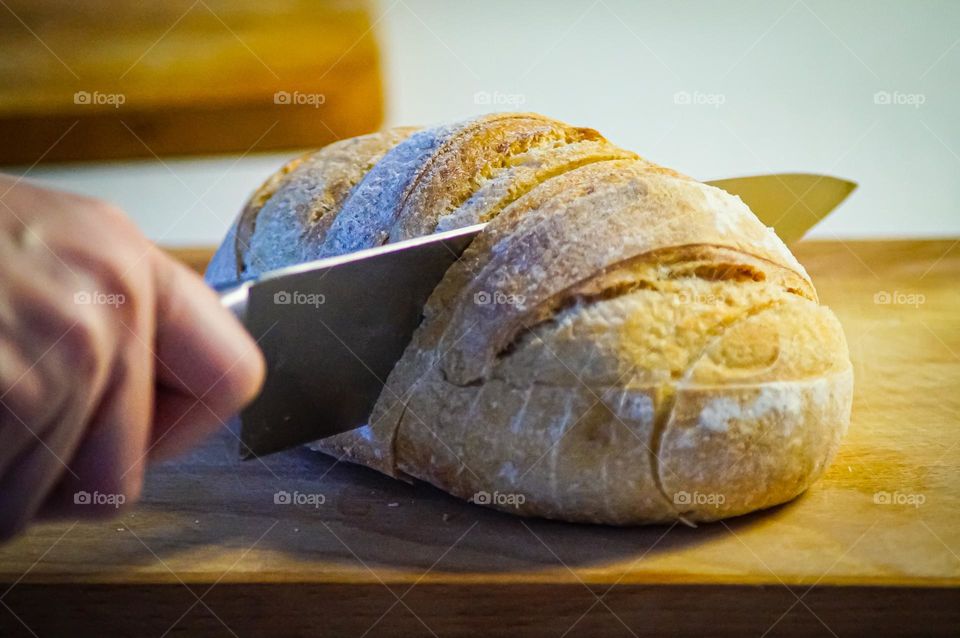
(287, 219)
(622, 344)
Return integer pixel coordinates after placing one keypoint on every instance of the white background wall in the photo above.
(782, 86)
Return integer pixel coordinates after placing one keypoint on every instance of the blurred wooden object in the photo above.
(103, 79)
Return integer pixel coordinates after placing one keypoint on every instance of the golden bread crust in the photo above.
(622, 344)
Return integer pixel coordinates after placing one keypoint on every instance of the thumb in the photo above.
(208, 366)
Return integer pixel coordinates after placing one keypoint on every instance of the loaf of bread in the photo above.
(621, 344)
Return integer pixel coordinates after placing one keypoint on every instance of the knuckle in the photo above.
(116, 287)
(21, 383)
(108, 211)
(116, 231)
(85, 342)
(25, 394)
(128, 240)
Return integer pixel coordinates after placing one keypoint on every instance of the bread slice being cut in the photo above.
(622, 344)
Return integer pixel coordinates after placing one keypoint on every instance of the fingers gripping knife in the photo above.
(332, 330)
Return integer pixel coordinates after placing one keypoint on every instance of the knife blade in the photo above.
(332, 330)
(792, 203)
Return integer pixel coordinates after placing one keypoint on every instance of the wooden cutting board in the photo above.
(105, 79)
(872, 548)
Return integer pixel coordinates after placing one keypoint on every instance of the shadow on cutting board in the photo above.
(211, 516)
(366, 519)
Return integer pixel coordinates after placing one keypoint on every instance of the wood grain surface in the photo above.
(104, 79)
(873, 548)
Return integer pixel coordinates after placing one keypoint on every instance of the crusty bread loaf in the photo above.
(622, 344)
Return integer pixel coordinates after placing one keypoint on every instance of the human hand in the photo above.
(111, 353)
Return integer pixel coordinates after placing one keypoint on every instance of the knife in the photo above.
(332, 330)
(792, 203)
